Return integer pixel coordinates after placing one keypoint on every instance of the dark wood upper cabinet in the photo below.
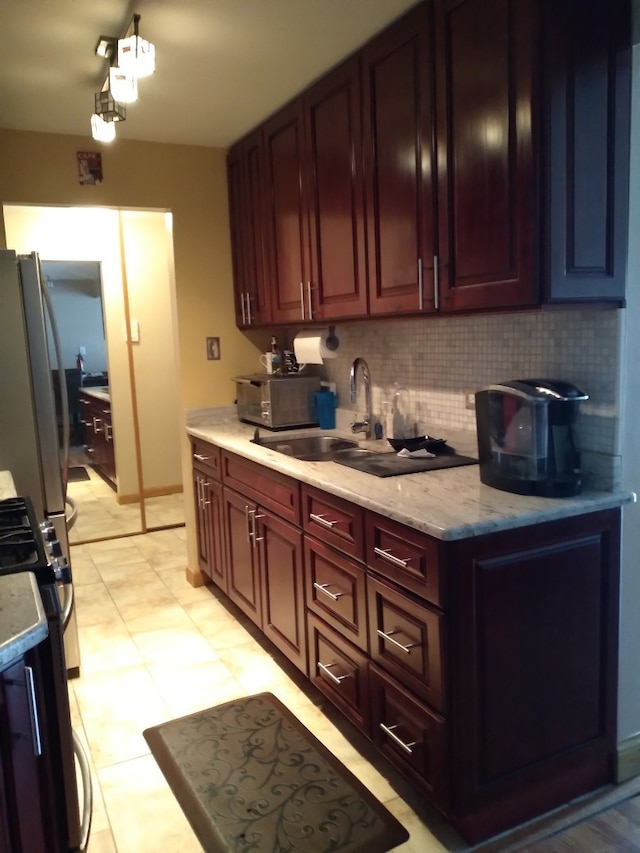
(398, 86)
(286, 224)
(472, 156)
(246, 213)
(485, 65)
(587, 103)
(335, 196)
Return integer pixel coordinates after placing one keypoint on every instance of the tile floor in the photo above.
(154, 648)
(102, 516)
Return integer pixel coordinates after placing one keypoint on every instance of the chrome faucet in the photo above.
(365, 425)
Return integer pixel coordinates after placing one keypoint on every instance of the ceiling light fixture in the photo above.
(130, 57)
(135, 54)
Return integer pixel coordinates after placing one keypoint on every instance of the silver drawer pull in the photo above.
(322, 520)
(325, 668)
(33, 710)
(322, 587)
(385, 554)
(257, 515)
(201, 458)
(388, 730)
(388, 636)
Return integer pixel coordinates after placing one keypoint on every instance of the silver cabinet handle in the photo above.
(96, 421)
(388, 730)
(247, 515)
(322, 587)
(420, 286)
(338, 679)
(302, 299)
(201, 458)
(387, 636)
(205, 502)
(256, 517)
(108, 432)
(249, 318)
(436, 284)
(322, 520)
(199, 489)
(244, 316)
(309, 300)
(385, 554)
(33, 710)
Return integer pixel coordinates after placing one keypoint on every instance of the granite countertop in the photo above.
(23, 623)
(100, 392)
(447, 504)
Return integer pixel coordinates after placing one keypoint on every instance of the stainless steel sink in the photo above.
(310, 448)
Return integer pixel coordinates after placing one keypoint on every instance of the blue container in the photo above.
(325, 401)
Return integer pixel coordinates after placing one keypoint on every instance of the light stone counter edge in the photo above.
(23, 623)
(448, 504)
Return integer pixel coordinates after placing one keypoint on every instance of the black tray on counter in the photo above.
(392, 465)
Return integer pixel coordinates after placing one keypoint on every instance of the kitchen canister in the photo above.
(325, 401)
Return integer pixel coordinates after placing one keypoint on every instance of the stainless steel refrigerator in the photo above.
(30, 444)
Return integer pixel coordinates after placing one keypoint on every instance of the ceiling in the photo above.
(222, 65)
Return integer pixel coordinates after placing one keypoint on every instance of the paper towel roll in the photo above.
(310, 346)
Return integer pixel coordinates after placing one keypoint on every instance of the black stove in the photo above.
(25, 544)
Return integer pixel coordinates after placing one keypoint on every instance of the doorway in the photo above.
(132, 252)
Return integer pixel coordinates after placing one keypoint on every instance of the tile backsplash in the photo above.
(435, 361)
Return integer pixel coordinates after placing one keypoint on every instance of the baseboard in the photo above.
(196, 578)
(628, 758)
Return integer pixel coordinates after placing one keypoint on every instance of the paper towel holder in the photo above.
(332, 342)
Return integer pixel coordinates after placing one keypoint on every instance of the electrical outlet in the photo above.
(469, 399)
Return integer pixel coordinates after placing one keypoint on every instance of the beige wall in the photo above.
(188, 181)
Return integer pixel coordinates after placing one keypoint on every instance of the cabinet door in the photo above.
(407, 639)
(411, 736)
(213, 537)
(335, 195)
(21, 767)
(485, 64)
(286, 226)
(399, 165)
(536, 637)
(587, 79)
(282, 581)
(246, 212)
(242, 567)
(203, 530)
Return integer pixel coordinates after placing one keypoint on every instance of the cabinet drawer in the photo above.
(406, 556)
(336, 590)
(406, 639)
(271, 489)
(410, 735)
(206, 457)
(339, 670)
(333, 520)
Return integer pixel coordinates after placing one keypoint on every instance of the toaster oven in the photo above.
(277, 402)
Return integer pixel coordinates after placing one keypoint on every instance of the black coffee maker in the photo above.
(525, 437)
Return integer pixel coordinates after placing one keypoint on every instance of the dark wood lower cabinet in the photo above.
(279, 546)
(243, 571)
(484, 669)
(534, 669)
(24, 830)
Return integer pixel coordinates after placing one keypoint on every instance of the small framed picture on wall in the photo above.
(213, 349)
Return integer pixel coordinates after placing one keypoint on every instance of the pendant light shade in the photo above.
(135, 54)
(101, 130)
(123, 85)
